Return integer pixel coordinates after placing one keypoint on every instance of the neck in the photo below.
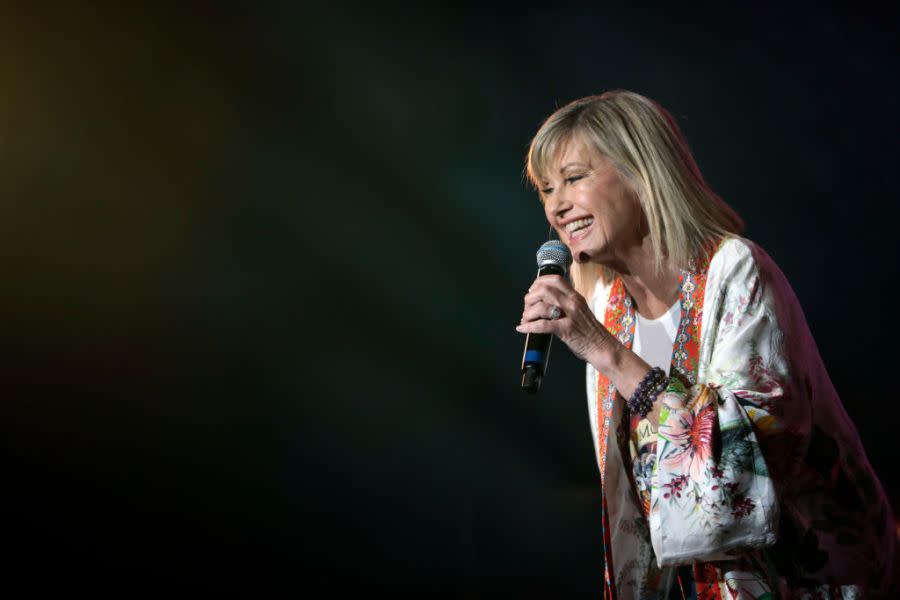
(653, 292)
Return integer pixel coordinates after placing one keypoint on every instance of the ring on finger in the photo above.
(554, 313)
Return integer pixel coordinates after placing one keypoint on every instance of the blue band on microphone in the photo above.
(534, 356)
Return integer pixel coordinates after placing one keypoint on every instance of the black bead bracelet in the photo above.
(652, 384)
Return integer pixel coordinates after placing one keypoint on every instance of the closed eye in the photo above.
(569, 180)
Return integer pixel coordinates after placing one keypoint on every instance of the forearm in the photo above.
(625, 369)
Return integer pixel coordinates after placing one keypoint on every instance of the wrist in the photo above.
(607, 356)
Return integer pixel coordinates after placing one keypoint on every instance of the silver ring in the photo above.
(554, 313)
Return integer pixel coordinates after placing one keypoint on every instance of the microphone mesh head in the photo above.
(554, 252)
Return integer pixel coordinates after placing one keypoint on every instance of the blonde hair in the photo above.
(645, 144)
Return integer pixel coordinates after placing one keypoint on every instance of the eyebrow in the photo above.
(572, 164)
(566, 166)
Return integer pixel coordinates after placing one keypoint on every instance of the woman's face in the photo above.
(592, 209)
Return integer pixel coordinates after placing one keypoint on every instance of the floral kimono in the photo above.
(755, 476)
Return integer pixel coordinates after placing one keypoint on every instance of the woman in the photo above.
(729, 467)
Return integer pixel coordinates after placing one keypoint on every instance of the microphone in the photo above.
(553, 258)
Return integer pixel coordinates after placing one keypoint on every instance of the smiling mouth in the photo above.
(576, 229)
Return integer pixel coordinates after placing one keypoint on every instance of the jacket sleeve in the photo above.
(712, 493)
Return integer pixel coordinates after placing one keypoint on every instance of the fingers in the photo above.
(577, 326)
(552, 290)
(557, 282)
(546, 292)
(539, 326)
(540, 310)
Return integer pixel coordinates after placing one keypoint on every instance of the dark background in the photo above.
(262, 265)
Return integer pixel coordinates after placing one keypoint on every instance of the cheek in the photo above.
(637, 215)
(549, 216)
(612, 222)
(623, 214)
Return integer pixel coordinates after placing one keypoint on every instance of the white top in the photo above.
(653, 342)
(654, 338)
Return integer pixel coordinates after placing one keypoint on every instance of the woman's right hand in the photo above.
(576, 326)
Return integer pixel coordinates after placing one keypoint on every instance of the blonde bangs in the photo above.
(548, 142)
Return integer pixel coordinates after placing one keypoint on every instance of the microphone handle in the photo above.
(537, 346)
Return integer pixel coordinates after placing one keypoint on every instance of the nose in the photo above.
(557, 205)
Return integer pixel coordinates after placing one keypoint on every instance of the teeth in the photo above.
(575, 225)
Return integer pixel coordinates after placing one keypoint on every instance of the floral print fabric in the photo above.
(754, 474)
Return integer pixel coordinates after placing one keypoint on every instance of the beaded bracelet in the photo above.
(652, 384)
(661, 384)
